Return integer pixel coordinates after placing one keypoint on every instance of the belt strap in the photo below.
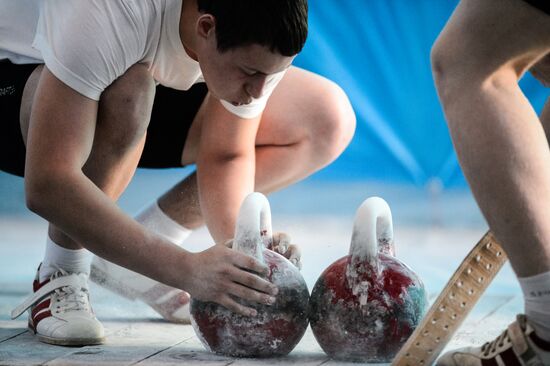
(453, 304)
(73, 280)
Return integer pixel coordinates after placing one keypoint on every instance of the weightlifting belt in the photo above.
(454, 303)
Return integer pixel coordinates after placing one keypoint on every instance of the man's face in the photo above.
(240, 74)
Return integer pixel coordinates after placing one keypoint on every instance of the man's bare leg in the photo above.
(497, 134)
(477, 61)
(64, 316)
(119, 137)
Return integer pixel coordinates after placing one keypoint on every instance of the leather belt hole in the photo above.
(453, 316)
(460, 283)
(478, 258)
(471, 291)
(499, 253)
(463, 304)
(480, 279)
(434, 320)
(469, 271)
(437, 340)
(489, 266)
(446, 327)
(489, 245)
(452, 295)
(442, 308)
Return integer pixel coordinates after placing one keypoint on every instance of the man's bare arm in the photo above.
(59, 142)
(225, 167)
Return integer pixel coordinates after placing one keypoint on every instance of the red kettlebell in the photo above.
(277, 328)
(365, 305)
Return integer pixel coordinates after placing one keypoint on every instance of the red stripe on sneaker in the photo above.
(510, 358)
(43, 305)
(37, 285)
(489, 362)
(41, 316)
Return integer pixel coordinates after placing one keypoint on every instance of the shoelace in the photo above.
(70, 297)
(491, 347)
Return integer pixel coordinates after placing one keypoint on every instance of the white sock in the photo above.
(154, 219)
(70, 260)
(536, 291)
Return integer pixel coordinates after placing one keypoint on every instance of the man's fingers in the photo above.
(235, 307)
(245, 293)
(253, 281)
(281, 242)
(294, 255)
(247, 262)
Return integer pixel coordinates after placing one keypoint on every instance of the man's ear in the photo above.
(206, 26)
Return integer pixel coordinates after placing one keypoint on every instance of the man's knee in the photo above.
(541, 70)
(461, 71)
(334, 124)
(125, 108)
(447, 68)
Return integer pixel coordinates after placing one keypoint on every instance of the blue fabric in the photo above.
(378, 51)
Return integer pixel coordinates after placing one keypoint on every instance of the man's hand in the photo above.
(220, 274)
(281, 245)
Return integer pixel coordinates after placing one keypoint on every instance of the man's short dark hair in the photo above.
(280, 25)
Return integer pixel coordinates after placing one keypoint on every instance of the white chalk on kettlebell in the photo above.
(277, 328)
(365, 305)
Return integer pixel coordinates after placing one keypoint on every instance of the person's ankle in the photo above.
(56, 257)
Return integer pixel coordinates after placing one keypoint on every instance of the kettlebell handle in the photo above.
(253, 230)
(372, 231)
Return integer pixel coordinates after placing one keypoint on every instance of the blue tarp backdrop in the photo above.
(378, 51)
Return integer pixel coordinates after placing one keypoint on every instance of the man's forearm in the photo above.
(223, 185)
(81, 210)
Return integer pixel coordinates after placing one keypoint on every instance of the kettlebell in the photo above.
(365, 305)
(277, 328)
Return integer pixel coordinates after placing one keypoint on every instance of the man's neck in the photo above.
(188, 19)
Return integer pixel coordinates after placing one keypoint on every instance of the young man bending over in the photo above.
(96, 88)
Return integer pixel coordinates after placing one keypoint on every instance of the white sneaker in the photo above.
(171, 303)
(518, 346)
(60, 311)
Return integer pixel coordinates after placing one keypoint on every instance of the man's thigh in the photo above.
(12, 84)
(301, 105)
(483, 36)
(171, 118)
(297, 106)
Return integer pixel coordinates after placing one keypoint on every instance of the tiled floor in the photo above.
(433, 233)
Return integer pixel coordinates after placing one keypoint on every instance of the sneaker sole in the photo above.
(71, 342)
